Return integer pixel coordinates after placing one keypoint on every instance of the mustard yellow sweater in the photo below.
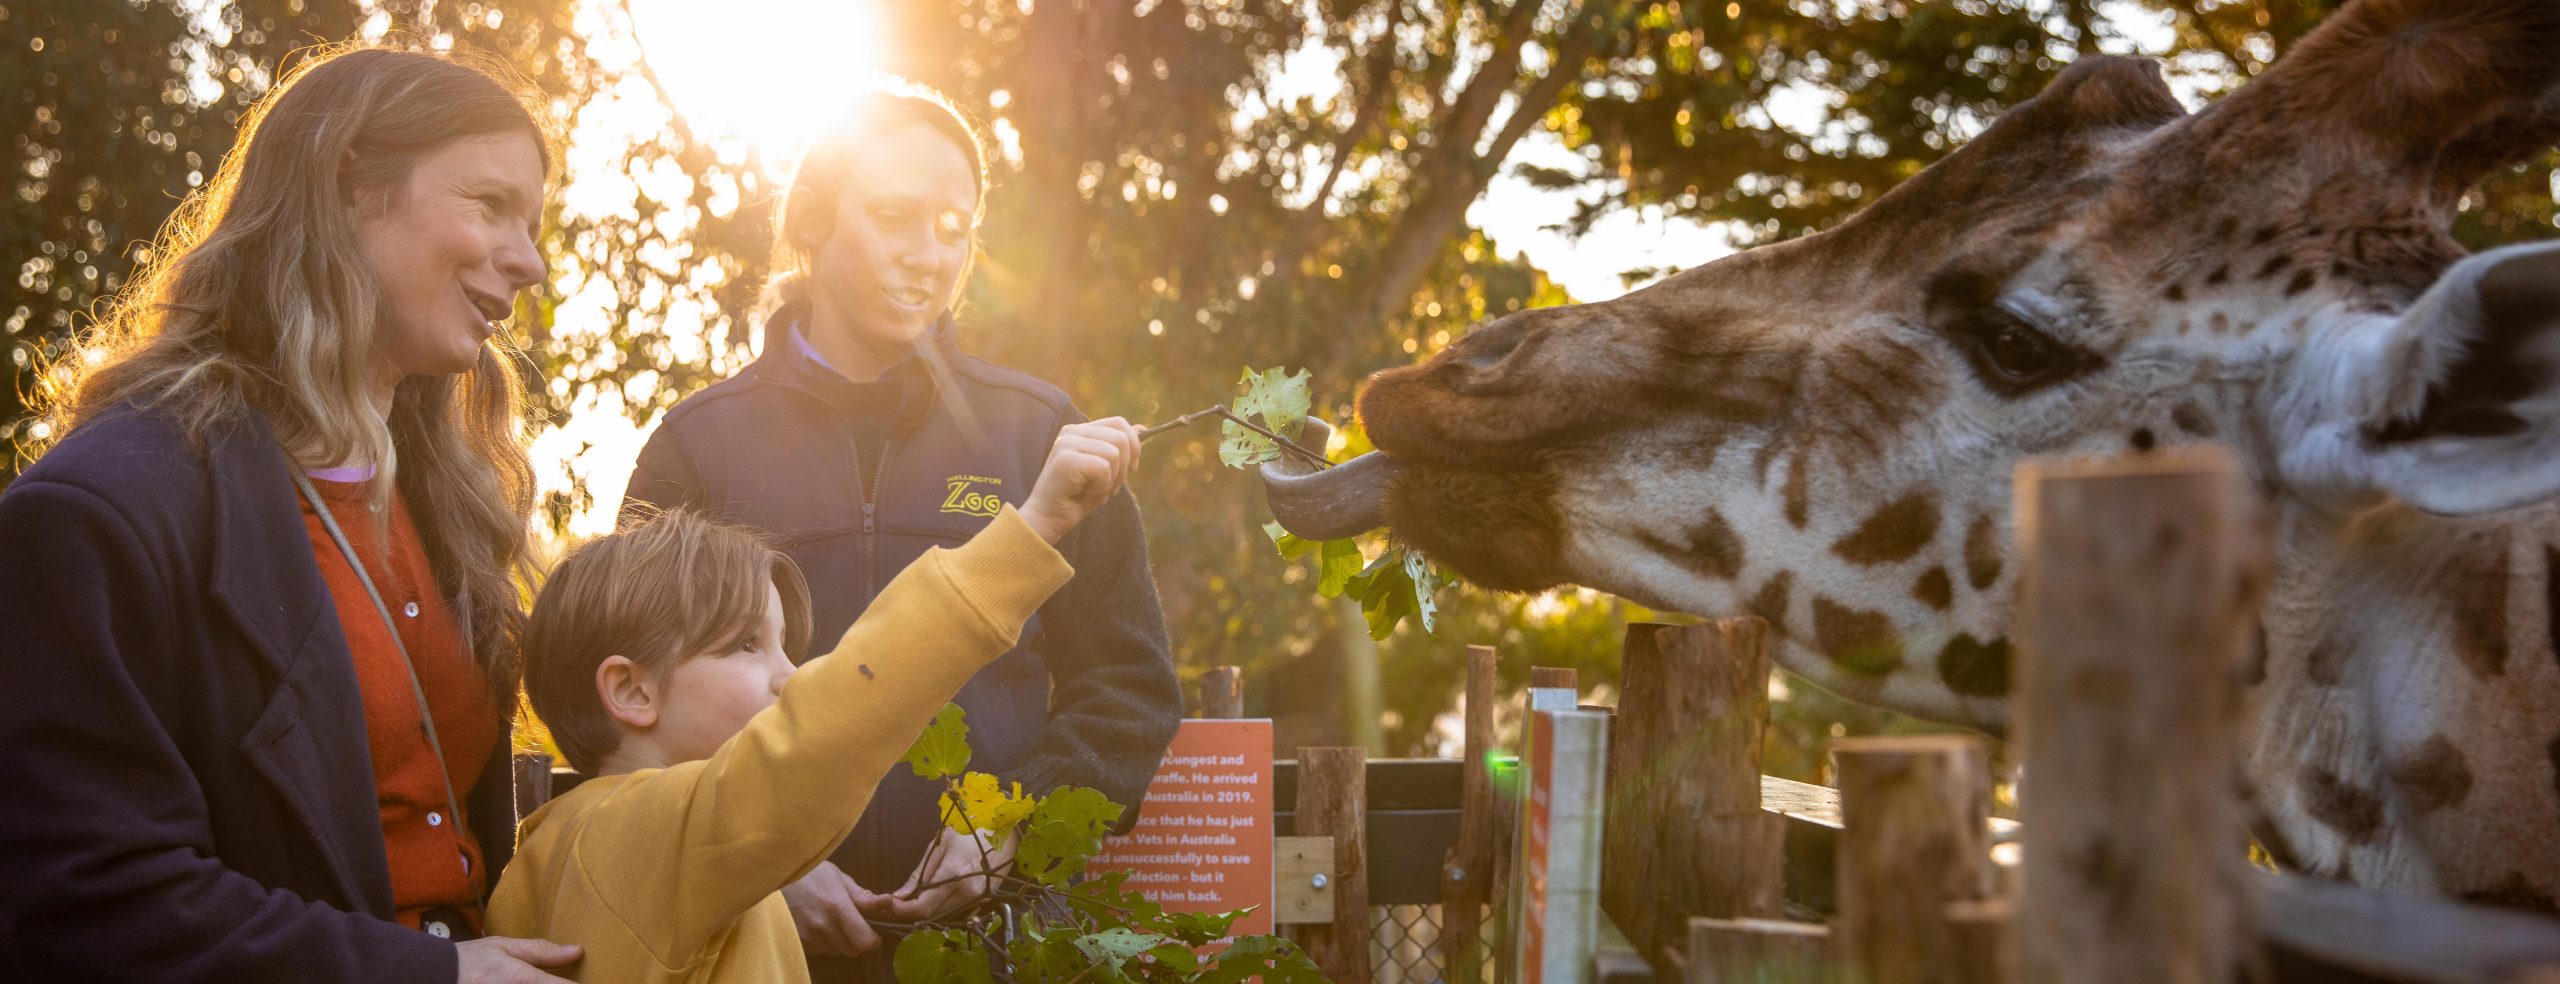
(675, 874)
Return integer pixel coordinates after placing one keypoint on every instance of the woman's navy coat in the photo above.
(186, 792)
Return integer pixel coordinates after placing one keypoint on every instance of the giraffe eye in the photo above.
(2013, 357)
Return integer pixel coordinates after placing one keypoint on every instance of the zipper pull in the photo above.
(868, 511)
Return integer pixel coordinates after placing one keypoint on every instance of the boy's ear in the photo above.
(629, 695)
(2464, 392)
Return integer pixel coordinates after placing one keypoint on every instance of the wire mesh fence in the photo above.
(1406, 947)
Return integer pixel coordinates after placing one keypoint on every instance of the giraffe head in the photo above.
(1822, 431)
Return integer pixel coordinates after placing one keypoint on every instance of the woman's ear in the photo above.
(808, 222)
(629, 694)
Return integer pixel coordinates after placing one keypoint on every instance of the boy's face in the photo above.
(708, 697)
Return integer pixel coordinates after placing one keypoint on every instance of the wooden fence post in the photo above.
(2142, 578)
(1466, 877)
(1758, 951)
(1915, 835)
(1554, 678)
(1686, 833)
(1333, 797)
(1222, 693)
(1978, 932)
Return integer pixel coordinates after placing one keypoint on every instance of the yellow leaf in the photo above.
(985, 804)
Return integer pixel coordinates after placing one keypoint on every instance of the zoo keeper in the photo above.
(864, 435)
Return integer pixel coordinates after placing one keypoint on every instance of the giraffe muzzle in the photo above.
(1334, 503)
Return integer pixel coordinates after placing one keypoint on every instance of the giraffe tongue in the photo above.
(1343, 501)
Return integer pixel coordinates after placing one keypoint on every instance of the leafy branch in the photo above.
(1397, 583)
(1044, 919)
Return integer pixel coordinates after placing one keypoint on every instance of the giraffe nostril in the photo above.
(1487, 347)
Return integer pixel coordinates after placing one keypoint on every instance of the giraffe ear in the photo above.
(2468, 416)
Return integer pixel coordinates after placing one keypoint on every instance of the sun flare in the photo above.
(759, 70)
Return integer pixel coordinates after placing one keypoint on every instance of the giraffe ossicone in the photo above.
(1822, 431)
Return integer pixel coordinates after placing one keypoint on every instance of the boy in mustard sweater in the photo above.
(719, 774)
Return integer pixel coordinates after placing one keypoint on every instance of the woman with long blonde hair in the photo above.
(261, 595)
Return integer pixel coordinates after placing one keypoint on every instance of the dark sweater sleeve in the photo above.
(1114, 700)
(663, 478)
(108, 866)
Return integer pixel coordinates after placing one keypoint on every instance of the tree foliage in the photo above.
(1181, 187)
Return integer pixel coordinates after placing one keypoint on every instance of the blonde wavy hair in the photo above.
(256, 296)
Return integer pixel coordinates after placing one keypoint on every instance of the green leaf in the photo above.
(1203, 928)
(1115, 947)
(1427, 582)
(1105, 898)
(1274, 398)
(1337, 561)
(1063, 833)
(1289, 545)
(941, 956)
(1274, 960)
(1397, 584)
(943, 750)
(1045, 958)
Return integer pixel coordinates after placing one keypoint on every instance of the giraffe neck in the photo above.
(2406, 711)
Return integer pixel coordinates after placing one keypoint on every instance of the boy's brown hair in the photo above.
(676, 586)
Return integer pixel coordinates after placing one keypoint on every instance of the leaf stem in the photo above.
(1186, 420)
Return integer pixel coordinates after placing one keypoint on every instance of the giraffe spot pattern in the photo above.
(1710, 548)
(1794, 493)
(2220, 275)
(1771, 602)
(2275, 265)
(2326, 663)
(2479, 613)
(2551, 595)
(1935, 589)
(2554, 752)
(1893, 532)
(1975, 668)
(2434, 776)
(2176, 292)
(2516, 892)
(2193, 420)
(2354, 812)
(1860, 641)
(1982, 553)
(2301, 282)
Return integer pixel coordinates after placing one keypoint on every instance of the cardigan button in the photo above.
(435, 819)
(410, 609)
(437, 929)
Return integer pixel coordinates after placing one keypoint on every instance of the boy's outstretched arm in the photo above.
(722, 834)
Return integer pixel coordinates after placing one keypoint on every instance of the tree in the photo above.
(1182, 188)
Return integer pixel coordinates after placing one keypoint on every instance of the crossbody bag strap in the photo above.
(426, 714)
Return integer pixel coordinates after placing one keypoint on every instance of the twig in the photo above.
(1186, 420)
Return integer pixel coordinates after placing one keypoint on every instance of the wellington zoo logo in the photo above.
(968, 500)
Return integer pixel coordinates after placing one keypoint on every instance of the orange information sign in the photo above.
(1203, 842)
(1539, 828)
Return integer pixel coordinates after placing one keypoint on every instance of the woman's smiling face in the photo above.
(451, 247)
(892, 259)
